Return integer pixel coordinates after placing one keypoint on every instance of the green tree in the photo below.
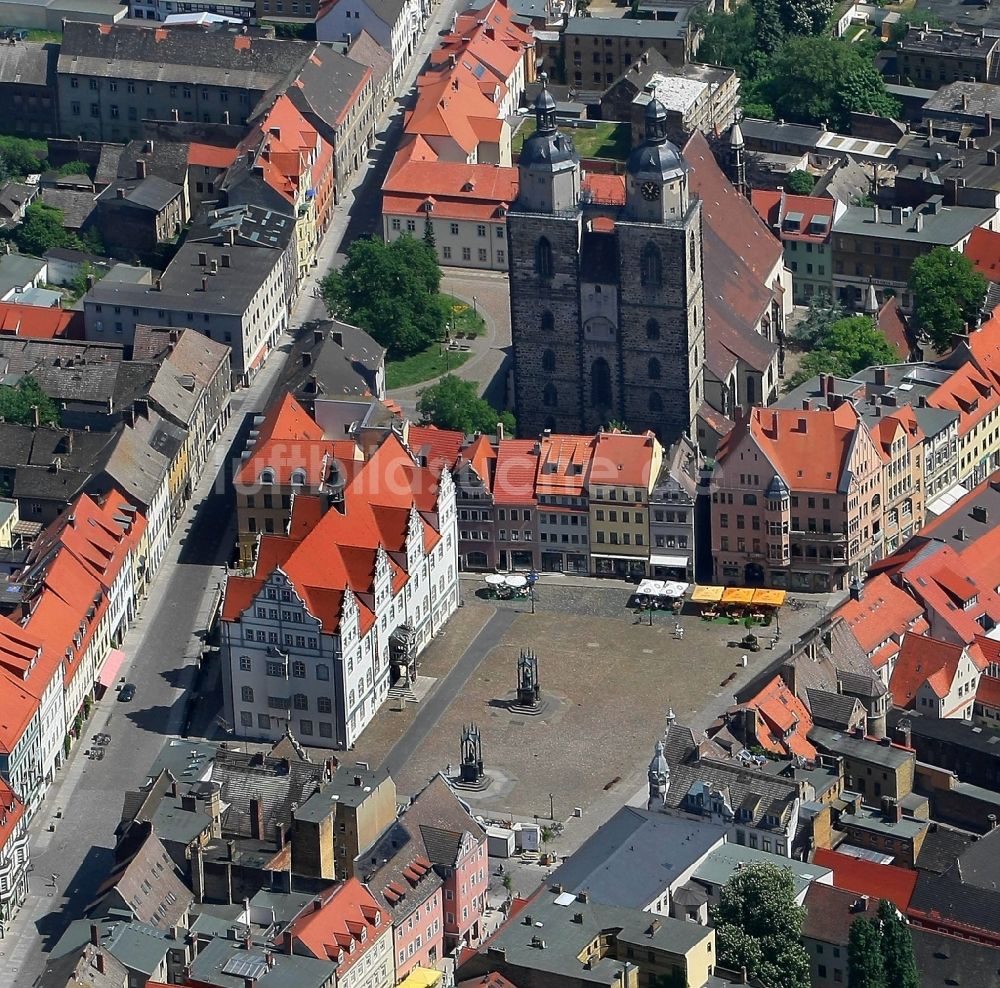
(390, 290)
(452, 403)
(758, 925)
(42, 230)
(729, 39)
(429, 232)
(897, 948)
(805, 16)
(75, 168)
(20, 156)
(948, 292)
(816, 79)
(799, 183)
(858, 343)
(18, 404)
(815, 327)
(864, 956)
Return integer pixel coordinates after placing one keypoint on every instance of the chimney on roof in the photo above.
(317, 903)
(204, 284)
(269, 960)
(249, 982)
(230, 850)
(256, 819)
(499, 432)
(95, 934)
(960, 534)
(140, 168)
(175, 115)
(99, 961)
(148, 147)
(120, 192)
(904, 734)
(859, 733)
(855, 588)
(231, 236)
(225, 116)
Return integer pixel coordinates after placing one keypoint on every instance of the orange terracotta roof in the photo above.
(988, 693)
(983, 249)
(884, 611)
(621, 460)
(480, 455)
(17, 707)
(331, 926)
(891, 321)
(210, 156)
(810, 448)
(783, 721)
(19, 649)
(517, 467)
(921, 660)
(605, 188)
(774, 206)
(563, 464)
(34, 322)
(437, 448)
(863, 877)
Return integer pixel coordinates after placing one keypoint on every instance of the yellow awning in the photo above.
(770, 598)
(421, 977)
(706, 595)
(737, 595)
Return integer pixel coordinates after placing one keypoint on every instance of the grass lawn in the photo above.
(423, 366)
(36, 34)
(606, 140)
(463, 318)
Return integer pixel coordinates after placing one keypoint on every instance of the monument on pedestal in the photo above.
(528, 688)
(472, 755)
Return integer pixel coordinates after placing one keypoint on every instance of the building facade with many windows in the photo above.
(340, 607)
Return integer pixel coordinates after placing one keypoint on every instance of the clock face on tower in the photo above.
(650, 191)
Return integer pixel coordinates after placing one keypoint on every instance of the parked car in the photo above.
(127, 693)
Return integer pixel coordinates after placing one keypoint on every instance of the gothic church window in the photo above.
(692, 252)
(548, 321)
(600, 383)
(543, 258)
(652, 330)
(655, 402)
(548, 361)
(549, 396)
(654, 369)
(651, 268)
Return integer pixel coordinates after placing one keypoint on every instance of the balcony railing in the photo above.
(819, 536)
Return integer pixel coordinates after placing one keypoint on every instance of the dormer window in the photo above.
(298, 477)
(267, 476)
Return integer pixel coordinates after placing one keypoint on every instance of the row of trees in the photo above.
(790, 67)
(758, 926)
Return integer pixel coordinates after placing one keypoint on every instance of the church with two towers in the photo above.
(607, 298)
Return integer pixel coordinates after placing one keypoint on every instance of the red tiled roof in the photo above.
(622, 459)
(480, 455)
(921, 660)
(34, 322)
(333, 923)
(880, 881)
(562, 465)
(988, 693)
(11, 812)
(437, 448)
(784, 720)
(983, 249)
(884, 611)
(210, 156)
(517, 466)
(774, 206)
(810, 448)
(17, 707)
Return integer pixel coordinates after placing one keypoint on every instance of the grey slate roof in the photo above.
(839, 743)
(164, 159)
(633, 857)
(76, 205)
(622, 27)
(344, 362)
(135, 468)
(946, 226)
(945, 961)
(832, 710)
(289, 971)
(152, 193)
(215, 56)
(324, 87)
(941, 848)
(28, 63)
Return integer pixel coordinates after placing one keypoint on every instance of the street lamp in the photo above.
(475, 306)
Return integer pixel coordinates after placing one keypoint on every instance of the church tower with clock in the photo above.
(607, 304)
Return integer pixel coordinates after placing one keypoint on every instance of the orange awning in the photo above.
(112, 665)
(770, 598)
(737, 595)
(706, 595)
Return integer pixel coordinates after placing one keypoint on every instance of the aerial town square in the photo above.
(499, 494)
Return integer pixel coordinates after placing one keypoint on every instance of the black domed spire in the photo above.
(545, 108)
(656, 122)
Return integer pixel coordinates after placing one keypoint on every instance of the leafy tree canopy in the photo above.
(816, 79)
(20, 156)
(864, 955)
(452, 403)
(390, 290)
(948, 292)
(844, 347)
(18, 403)
(799, 183)
(897, 948)
(758, 926)
(815, 327)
